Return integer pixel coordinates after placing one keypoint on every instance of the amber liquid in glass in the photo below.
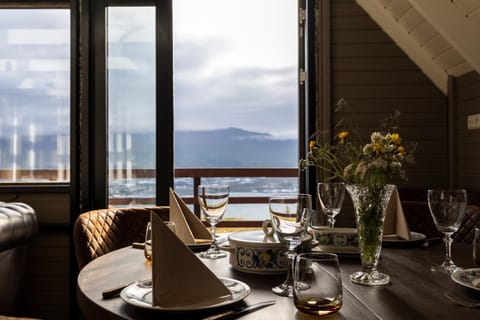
(318, 307)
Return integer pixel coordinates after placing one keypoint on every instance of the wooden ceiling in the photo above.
(441, 36)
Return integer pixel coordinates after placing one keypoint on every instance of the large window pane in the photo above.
(236, 93)
(34, 95)
(131, 105)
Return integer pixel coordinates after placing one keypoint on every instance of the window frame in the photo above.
(96, 146)
(51, 187)
(94, 185)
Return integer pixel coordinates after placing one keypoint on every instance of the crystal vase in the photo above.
(370, 204)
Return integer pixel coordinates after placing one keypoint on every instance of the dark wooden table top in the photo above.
(414, 292)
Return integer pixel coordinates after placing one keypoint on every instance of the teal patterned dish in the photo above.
(336, 240)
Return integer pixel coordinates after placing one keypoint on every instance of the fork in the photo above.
(463, 302)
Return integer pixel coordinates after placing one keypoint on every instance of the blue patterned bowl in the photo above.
(253, 252)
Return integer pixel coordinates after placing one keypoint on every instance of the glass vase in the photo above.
(370, 204)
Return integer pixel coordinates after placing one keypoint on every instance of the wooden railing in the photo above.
(197, 175)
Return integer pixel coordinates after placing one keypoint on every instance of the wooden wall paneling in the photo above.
(46, 288)
(467, 155)
(376, 77)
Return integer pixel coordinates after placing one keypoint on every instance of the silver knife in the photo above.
(233, 314)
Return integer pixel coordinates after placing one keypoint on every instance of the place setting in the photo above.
(180, 281)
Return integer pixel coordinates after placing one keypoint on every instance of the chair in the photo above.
(98, 232)
(18, 226)
(419, 219)
(470, 221)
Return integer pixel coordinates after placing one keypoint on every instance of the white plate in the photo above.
(415, 237)
(466, 276)
(139, 294)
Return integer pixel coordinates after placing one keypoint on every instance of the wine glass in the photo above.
(331, 195)
(213, 200)
(290, 214)
(447, 208)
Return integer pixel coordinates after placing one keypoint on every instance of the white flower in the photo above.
(376, 137)
(395, 165)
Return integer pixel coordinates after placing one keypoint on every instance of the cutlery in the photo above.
(233, 314)
(463, 302)
(113, 292)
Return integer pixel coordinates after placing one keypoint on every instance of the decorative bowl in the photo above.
(254, 252)
(336, 240)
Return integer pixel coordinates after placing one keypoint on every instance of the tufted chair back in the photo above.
(471, 220)
(98, 232)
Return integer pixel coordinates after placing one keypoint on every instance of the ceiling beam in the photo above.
(406, 42)
(462, 33)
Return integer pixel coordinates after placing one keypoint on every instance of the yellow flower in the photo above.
(342, 136)
(395, 137)
(401, 149)
(311, 144)
(377, 148)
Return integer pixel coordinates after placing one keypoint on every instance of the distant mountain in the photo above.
(233, 147)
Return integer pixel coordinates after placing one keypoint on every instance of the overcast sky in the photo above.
(235, 65)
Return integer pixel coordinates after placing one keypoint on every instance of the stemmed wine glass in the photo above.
(331, 195)
(213, 200)
(290, 214)
(447, 208)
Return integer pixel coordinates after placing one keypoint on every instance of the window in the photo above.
(181, 94)
(35, 95)
(236, 94)
(131, 105)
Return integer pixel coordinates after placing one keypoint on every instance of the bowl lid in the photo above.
(253, 237)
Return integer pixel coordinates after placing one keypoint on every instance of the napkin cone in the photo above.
(179, 277)
(188, 226)
(395, 222)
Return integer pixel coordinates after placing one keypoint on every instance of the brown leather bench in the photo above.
(18, 224)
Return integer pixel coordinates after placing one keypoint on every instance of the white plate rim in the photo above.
(456, 276)
(416, 237)
(145, 305)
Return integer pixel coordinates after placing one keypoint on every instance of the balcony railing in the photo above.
(197, 174)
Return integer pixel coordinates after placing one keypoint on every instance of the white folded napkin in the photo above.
(395, 222)
(189, 228)
(179, 277)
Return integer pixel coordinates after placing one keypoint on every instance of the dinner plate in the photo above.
(416, 238)
(139, 294)
(466, 276)
(199, 247)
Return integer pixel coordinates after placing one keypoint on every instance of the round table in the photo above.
(414, 291)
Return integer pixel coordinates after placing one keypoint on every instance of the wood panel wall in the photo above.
(467, 149)
(376, 77)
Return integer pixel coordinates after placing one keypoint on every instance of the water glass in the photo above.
(290, 215)
(476, 247)
(213, 199)
(447, 208)
(317, 288)
(331, 195)
(147, 249)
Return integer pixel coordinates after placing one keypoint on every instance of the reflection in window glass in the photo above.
(35, 95)
(131, 105)
(236, 93)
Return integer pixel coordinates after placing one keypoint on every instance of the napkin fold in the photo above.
(179, 277)
(189, 228)
(395, 222)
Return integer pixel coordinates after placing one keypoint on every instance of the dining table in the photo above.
(414, 292)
